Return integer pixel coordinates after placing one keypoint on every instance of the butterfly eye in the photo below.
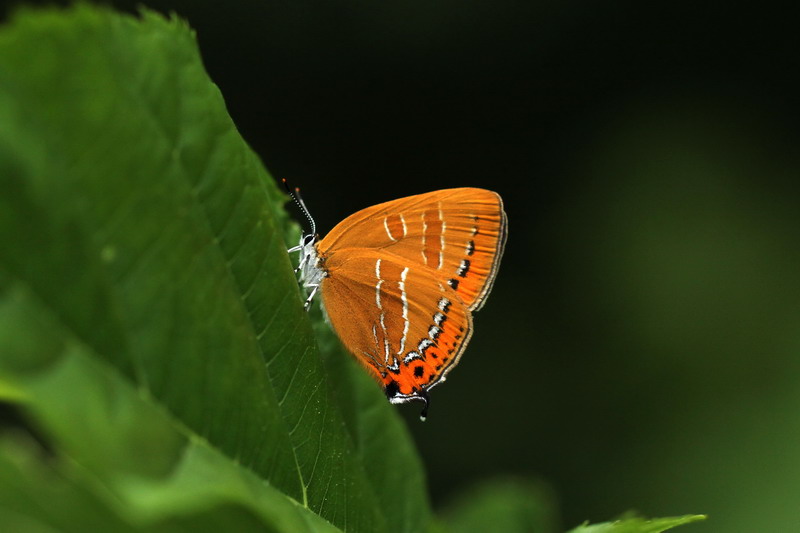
(308, 239)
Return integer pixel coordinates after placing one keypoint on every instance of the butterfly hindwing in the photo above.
(399, 320)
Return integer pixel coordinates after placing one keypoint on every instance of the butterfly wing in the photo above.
(456, 234)
(396, 317)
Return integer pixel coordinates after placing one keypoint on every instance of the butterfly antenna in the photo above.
(295, 194)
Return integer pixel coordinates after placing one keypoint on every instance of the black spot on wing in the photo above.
(470, 247)
(392, 389)
(464, 268)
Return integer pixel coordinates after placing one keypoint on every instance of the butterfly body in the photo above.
(399, 282)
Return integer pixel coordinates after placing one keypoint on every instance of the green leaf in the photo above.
(638, 525)
(507, 505)
(139, 469)
(150, 323)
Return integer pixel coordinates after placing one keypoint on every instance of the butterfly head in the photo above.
(310, 268)
(310, 265)
(307, 246)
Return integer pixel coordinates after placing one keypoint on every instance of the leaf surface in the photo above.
(147, 300)
(638, 525)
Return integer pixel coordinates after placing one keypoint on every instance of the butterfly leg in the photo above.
(314, 290)
(303, 261)
(298, 248)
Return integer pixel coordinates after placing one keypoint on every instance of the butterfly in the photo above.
(400, 280)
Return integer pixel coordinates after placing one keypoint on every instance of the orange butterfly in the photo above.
(400, 280)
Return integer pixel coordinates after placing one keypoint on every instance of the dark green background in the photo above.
(640, 348)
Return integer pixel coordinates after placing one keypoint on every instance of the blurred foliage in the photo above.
(502, 505)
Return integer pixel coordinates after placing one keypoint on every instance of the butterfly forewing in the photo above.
(456, 234)
(399, 320)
